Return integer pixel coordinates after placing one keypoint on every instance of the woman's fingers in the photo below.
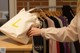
(30, 32)
(34, 32)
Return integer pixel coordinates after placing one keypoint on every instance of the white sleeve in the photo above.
(64, 34)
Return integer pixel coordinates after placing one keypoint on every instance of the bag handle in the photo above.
(31, 10)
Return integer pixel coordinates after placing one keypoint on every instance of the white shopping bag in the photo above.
(17, 27)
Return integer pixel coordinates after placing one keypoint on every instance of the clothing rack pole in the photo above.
(40, 7)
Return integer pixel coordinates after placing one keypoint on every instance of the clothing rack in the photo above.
(40, 7)
(43, 7)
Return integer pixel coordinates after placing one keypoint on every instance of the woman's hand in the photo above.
(34, 32)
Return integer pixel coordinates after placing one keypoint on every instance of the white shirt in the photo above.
(64, 34)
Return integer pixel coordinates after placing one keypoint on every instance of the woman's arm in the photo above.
(64, 34)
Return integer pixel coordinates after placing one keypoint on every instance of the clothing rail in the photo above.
(40, 7)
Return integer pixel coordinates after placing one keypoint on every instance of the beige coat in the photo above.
(65, 34)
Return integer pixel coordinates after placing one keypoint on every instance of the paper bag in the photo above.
(17, 27)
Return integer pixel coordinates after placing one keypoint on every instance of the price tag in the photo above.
(2, 50)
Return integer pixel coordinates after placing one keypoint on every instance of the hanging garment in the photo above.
(77, 46)
(61, 45)
(56, 22)
(47, 40)
(38, 43)
(72, 48)
(58, 26)
(59, 20)
(65, 23)
(52, 44)
(64, 20)
(68, 12)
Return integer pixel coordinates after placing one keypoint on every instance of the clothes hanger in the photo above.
(56, 13)
(39, 16)
(42, 13)
(37, 11)
(47, 12)
(51, 13)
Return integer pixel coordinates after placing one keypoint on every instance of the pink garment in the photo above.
(52, 43)
(52, 46)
